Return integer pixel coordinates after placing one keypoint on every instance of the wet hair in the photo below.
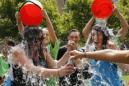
(104, 32)
(33, 34)
(33, 39)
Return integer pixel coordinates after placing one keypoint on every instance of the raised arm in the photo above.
(124, 24)
(19, 23)
(88, 28)
(19, 57)
(50, 28)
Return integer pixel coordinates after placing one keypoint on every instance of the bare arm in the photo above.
(19, 57)
(57, 64)
(120, 56)
(63, 60)
(87, 28)
(47, 73)
(19, 23)
(124, 24)
(50, 28)
(48, 58)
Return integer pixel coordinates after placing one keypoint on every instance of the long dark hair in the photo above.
(104, 32)
(33, 40)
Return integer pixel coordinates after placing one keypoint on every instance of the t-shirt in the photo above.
(3, 66)
(53, 49)
(61, 52)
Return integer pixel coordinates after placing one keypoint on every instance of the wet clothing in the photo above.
(19, 77)
(76, 78)
(24, 78)
(105, 74)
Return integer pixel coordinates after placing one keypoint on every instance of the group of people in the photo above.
(40, 57)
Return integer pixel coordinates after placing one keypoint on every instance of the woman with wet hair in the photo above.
(52, 43)
(105, 34)
(32, 60)
(105, 73)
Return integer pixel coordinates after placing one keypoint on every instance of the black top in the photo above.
(74, 78)
(61, 52)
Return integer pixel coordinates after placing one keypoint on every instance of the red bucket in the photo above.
(31, 14)
(102, 8)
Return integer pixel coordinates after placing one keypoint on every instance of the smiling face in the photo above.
(46, 39)
(97, 37)
(74, 36)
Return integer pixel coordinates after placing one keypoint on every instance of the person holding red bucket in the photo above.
(105, 73)
(31, 14)
(29, 27)
(102, 10)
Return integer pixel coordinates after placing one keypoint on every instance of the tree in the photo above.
(76, 14)
(7, 19)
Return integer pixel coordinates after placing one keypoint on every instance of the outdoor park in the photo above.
(40, 39)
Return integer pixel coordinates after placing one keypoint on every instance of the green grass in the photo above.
(125, 78)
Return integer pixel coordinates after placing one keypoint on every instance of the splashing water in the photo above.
(85, 73)
(105, 74)
(82, 75)
(23, 76)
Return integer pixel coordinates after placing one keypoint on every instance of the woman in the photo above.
(32, 58)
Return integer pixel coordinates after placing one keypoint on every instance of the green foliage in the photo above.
(61, 23)
(123, 6)
(76, 14)
(125, 78)
(51, 7)
(80, 12)
(7, 19)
